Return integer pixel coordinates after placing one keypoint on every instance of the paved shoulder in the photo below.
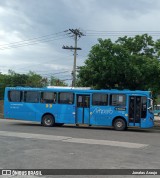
(72, 140)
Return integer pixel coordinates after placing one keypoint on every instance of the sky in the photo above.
(32, 32)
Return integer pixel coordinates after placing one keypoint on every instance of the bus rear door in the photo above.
(137, 110)
(82, 109)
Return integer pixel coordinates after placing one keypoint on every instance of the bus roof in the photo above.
(76, 88)
(79, 90)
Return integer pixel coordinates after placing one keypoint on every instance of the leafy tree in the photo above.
(2, 85)
(31, 79)
(57, 82)
(14, 79)
(36, 80)
(128, 63)
(11, 79)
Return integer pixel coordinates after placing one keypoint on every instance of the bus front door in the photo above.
(83, 109)
(134, 110)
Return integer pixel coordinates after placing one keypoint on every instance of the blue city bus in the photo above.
(53, 106)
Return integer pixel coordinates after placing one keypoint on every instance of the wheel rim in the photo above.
(48, 121)
(119, 124)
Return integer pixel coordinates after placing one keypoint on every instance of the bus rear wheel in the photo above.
(48, 120)
(119, 124)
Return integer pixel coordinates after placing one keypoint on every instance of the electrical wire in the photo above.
(60, 35)
(33, 41)
(119, 33)
(124, 31)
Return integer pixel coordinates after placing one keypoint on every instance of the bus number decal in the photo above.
(48, 105)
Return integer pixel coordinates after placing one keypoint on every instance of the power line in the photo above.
(125, 34)
(61, 72)
(123, 31)
(51, 73)
(120, 33)
(33, 43)
(33, 39)
(66, 79)
(71, 33)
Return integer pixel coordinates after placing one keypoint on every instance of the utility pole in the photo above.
(75, 33)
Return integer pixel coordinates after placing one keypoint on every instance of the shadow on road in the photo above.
(155, 129)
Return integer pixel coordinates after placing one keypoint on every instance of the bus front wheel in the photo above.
(119, 124)
(48, 120)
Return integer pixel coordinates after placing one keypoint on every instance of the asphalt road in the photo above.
(27, 145)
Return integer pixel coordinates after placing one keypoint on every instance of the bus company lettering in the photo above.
(102, 111)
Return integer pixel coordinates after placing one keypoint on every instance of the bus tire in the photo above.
(119, 124)
(48, 120)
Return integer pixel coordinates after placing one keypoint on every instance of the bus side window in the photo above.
(15, 96)
(48, 97)
(66, 98)
(31, 96)
(117, 100)
(99, 99)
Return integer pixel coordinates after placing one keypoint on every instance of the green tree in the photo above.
(57, 82)
(2, 85)
(128, 63)
(11, 79)
(36, 80)
(14, 79)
